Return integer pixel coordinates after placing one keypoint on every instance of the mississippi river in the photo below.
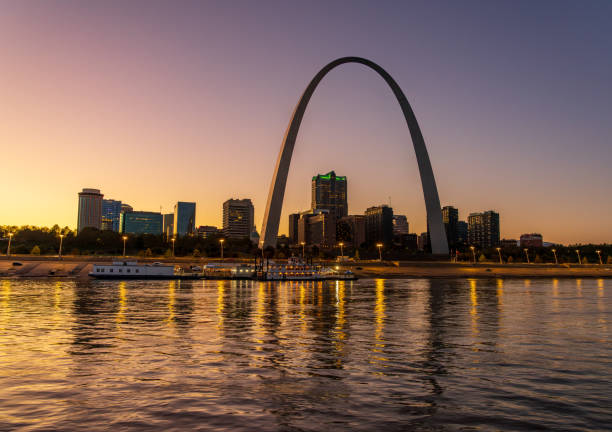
(411, 354)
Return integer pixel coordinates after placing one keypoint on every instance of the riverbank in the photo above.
(79, 267)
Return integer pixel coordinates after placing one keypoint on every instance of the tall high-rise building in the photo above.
(111, 212)
(450, 218)
(294, 219)
(483, 229)
(90, 209)
(168, 224)
(329, 193)
(141, 222)
(238, 218)
(379, 224)
(462, 232)
(317, 227)
(400, 225)
(184, 218)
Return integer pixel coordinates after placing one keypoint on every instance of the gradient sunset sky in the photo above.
(154, 102)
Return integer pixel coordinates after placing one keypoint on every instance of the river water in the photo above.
(411, 354)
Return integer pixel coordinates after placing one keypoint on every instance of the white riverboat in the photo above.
(297, 270)
(133, 270)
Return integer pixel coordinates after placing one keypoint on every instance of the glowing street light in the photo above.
(124, 240)
(499, 253)
(303, 253)
(527, 255)
(221, 241)
(473, 254)
(61, 241)
(579, 259)
(379, 246)
(173, 240)
(341, 249)
(8, 249)
(599, 255)
(554, 251)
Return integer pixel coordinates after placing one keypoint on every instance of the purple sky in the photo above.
(155, 102)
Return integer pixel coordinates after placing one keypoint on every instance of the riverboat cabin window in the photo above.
(128, 270)
(110, 270)
(136, 270)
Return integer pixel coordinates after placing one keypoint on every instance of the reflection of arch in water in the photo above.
(276, 194)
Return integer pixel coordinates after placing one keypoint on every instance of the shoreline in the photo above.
(79, 267)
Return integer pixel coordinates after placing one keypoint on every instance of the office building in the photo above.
(238, 219)
(168, 224)
(318, 228)
(423, 242)
(483, 229)
(531, 240)
(111, 212)
(400, 225)
(184, 218)
(205, 231)
(141, 222)
(356, 230)
(508, 243)
(126, 208)
(329, 193)
(379, 224)
(450, 218)
(294, 219)
(462, 232)
(90, 209)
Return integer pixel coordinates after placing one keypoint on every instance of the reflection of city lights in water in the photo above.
(220, 297)
(474, 306)
(500, 292)
(122, 303)
(5, 302)
(171, 302)
(379, 312)
(579, 287)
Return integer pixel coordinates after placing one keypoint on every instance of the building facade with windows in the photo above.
(90, 209)
(238, 218)
(111, 214)
(483, 229)
(329, 192)
(450, 218)
(141, 222)
(400, 225)
(531, 240)
(184, 218)
(379, 224)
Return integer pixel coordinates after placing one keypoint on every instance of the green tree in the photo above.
(196, 253)
(609, 260)
(148, 252)
(35, 250)
(482, 258)
(168, 253)
(584, 260)
(510, 260)
(538, 259)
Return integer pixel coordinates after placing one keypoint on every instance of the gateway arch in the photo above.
(276, 194)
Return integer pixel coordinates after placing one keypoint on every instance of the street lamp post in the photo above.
(61, 241)
(221, 241)
(341, 249)
(473, 254)
(579, 259)
(527, 255)
(173, 240)
(303, 253)
(554, 251)
(8, 249)
(124, 240)
(500, 257)
(599, 255)
(379, 246)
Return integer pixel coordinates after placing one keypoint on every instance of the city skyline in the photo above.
(502, 132)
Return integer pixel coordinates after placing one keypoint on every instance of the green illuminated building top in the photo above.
(329, 193)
